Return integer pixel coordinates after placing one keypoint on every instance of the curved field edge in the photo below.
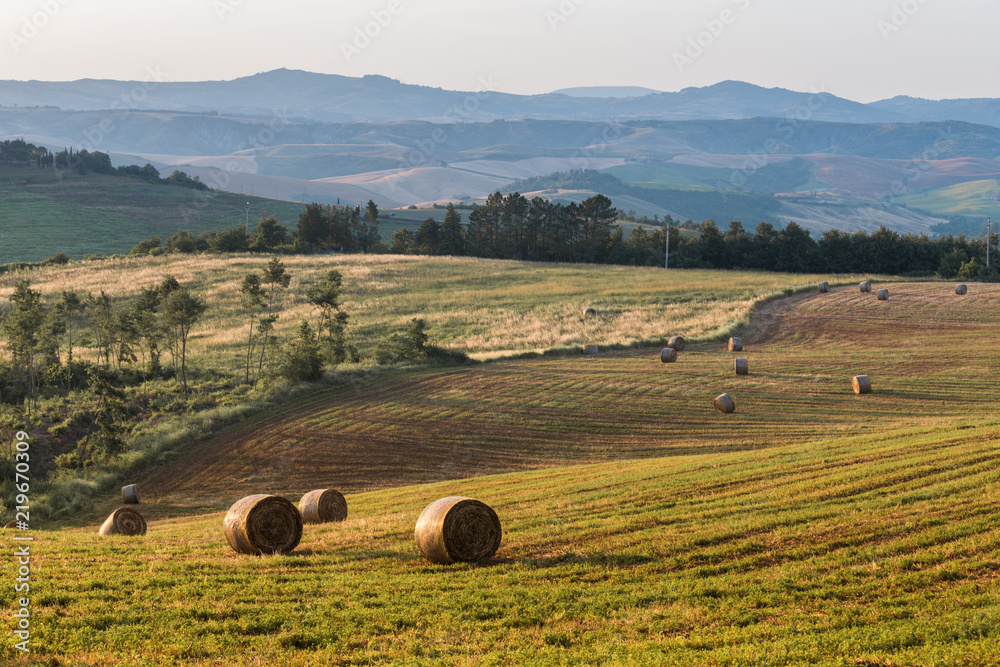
(876, 549)
(434, 424)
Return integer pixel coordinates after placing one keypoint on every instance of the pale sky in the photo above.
(864, 50)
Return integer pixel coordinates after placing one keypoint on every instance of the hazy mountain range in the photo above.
(826, 162)
(334, 98)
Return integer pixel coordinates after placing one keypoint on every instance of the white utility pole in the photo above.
(666, 254)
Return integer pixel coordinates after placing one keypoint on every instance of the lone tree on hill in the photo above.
(181, 310)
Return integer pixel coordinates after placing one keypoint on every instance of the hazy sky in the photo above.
(859, 49)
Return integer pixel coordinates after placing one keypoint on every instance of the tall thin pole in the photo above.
(666, 254)
(247, 224)
(987, 243)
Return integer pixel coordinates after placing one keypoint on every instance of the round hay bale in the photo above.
(961, 289)
(123, 521)
(130, 494)
(458, 530)
(677, 343)
(724, 403)
(866, 286)
(323, 505)
(862, 385)
(742, 367)
(668, 355)
(9, 525)
(589, 312)
(735, 344)
(824, 287)
(590, 349)
(263, 524)
(883, 294)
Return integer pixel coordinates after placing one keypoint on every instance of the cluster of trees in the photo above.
(512, 227)
(18, 153)
(792, 249)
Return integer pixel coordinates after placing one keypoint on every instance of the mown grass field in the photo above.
(974, 198)
(104, 215)
(479, 306)
(812, 526)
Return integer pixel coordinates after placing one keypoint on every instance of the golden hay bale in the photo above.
(323, 505)
(590, 349)
(883, 294)
(458, 530)
(589, 312)
(677, 343)
(742, 367)
(668, 355)
(123, 521)
(961, 289)
(862, 385)
(824, 287)
(263, 524)
(724, 403)
(735, 344)
(130, 494)
(866, 286)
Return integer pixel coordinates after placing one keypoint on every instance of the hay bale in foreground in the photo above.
(590, 349)
(866, 286)
(458, 530)
(742, 367)
(824, 287)
(322, 506)
(668, 355)
(961, 289)
(263, 524)
(589, 312)
(735, 344)
(130, 494)
(677, 343)
(862, 385)
(724, 403)
(123, 521)
(883, 294)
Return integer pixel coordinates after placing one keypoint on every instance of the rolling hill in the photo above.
(812, 526)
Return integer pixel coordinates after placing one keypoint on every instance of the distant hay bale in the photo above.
(124, 521)
(883, 294)
(590, 349)
(263, 524)
(961, 289)
(742, 367)
(322, 506)
(589, 312)
(724, 403)
(735, 344)
(668, 355)
(862, 385)
(130, 494)
(677, 343)
(458, 530)
(9, 525)
(866, 286)
(824, 287)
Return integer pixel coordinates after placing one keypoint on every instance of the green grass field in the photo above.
(974, 198)
(641, 527)
(672, 175)
(95, 214)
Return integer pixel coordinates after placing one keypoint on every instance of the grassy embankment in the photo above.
(812, 526)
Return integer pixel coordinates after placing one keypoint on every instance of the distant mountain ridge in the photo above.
(373, 98)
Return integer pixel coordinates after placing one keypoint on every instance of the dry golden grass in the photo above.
(484, 307)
